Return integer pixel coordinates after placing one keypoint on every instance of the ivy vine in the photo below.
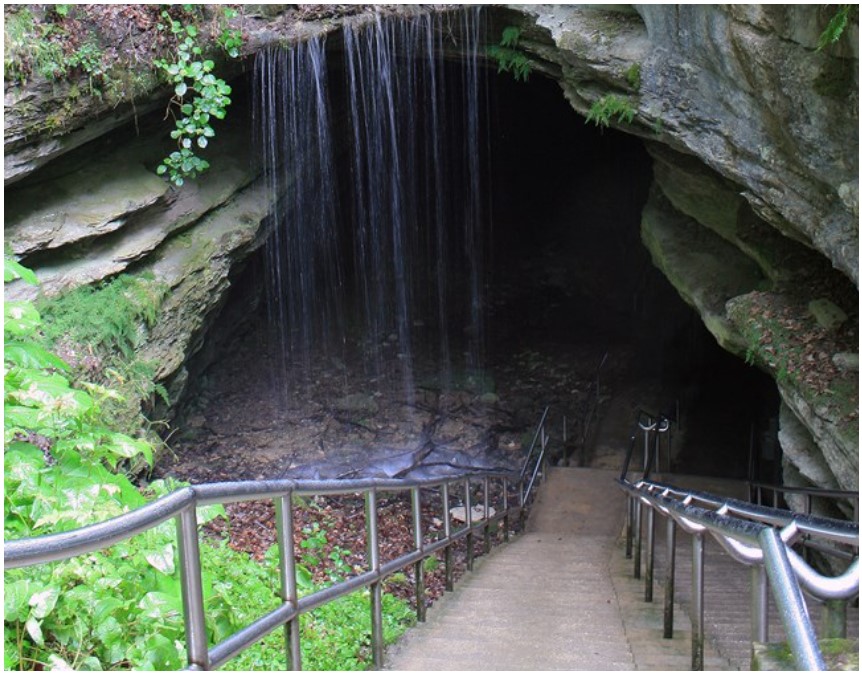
(199, 96)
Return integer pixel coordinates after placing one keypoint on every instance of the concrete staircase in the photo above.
(559, 597)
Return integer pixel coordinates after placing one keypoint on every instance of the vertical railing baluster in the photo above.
(833, 620)
(468, 515)
(375, 589)
(505, 510)
(759, 605)
(697, 602)
(486, 531)
(630, 507)
(650, 561)
(637, 555)
(418, 566)
(670, 579)
(447, 533)
(192, 589)
(287, 572)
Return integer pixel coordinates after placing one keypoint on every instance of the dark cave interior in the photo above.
(566, 266)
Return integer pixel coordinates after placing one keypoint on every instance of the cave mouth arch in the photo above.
(569, 280)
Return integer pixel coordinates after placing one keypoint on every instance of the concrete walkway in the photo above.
(556, 598)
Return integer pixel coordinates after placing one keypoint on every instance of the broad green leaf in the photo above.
(12, 270)
(181, 89)
(32, 355)
(44, 601)
(35, 631)
(210, 512)
(15, 597)
(21, 417)
(20, 318)
(160, 606)
(162, 560)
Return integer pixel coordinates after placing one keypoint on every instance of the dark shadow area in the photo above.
(567, 282)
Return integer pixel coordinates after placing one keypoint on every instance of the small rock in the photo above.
(827, 314)
(459, 513)
(489, 398)
(846, 361)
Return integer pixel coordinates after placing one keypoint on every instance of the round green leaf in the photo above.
(181, 89)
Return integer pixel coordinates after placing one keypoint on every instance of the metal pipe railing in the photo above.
(538, 448)
(181, 505)
(755, 535)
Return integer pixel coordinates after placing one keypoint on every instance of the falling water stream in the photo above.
(376, 169)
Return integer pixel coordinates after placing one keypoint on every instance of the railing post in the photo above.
(697, 602)
(833, 620)
(505, 510)
(638, 508)
(418, 566)
(650, 561)
(468, 516)
(522, 512)
(192, 589)
(630, 507)
(670, 575)
(759, 605)
(486, 503)
(287, 571)
(447, 533)
(791, 605)
(375, 588)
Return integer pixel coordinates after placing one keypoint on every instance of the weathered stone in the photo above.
(196, 269)
(837, 441)
(846, 361)
(137, 233)
(703, 267)
(91, 202)
(703, 70)
(829, 315)
(800, 449)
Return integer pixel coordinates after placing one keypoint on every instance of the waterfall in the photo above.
(376, 166)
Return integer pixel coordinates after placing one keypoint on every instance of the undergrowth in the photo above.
(65, 467)
(97, 329)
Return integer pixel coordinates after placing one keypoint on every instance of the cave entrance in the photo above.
(568, 289)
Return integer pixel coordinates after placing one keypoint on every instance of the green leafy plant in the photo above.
(230, 39)
(98, 329)
(199, 97)
(121, 608)
(509, 57)
(633, 76)
(608, 107)
(836, 26)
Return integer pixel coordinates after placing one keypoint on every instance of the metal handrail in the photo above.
(756, 489)
(182, 504)
(754, 535)
(539, 448)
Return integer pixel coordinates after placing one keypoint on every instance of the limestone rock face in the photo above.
(739, 87)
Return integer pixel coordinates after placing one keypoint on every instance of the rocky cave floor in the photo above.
(235, 428)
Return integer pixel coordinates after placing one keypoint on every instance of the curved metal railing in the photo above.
(758, 536)
(181, 505)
